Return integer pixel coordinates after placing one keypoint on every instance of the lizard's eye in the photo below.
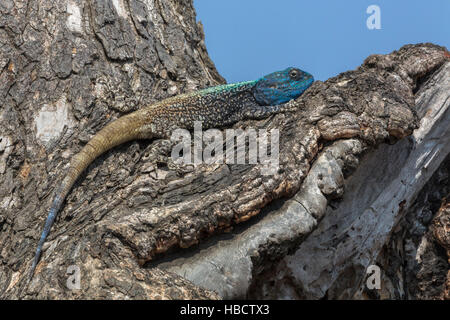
(294, 74)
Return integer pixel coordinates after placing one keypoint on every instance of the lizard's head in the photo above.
(281, 86)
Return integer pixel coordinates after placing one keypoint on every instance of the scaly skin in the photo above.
(216, 107)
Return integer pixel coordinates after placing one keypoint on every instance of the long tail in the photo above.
(117, 132)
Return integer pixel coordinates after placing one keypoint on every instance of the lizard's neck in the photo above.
(232, 87)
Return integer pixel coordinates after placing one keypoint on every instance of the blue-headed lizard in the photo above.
(217, 106)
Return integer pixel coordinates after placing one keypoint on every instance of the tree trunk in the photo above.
(68, 67)
(343, 186)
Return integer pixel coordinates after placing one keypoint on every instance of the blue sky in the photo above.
(249, 38)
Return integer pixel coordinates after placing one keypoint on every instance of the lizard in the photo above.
(216, 106)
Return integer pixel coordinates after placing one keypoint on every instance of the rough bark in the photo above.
(415, 261)
(69, 67)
